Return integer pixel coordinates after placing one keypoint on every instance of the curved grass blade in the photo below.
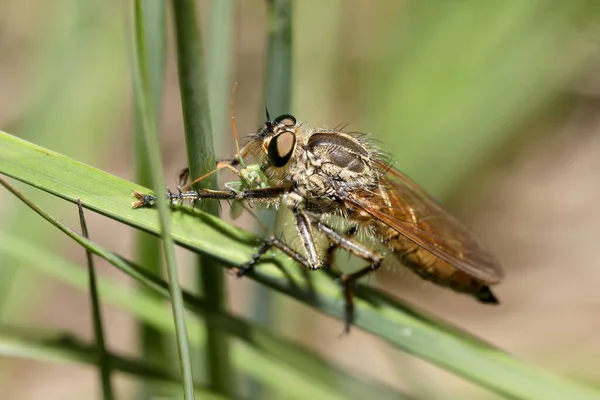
(148, 127)
(201, 160)
(103, 360)
(268, 349)
(59, 347)
(396, 322)
(257, 354)
(66, 62)
(153, 344)
(278, 81)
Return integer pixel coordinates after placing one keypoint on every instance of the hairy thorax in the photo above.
(327, 167)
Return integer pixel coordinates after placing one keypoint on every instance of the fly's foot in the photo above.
(144, 200)
(249, 266)
(347, 284)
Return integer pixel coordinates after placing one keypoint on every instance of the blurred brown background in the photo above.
(493, 107)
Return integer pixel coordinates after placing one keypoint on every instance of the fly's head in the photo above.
(317, 163)
(275, 147)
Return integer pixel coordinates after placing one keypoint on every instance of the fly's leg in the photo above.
(273, 242)
(311, 261)
(303, 225)
(329, 255)
(269, 193)
(349, 280)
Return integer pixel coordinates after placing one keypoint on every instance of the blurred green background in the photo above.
(491, 106)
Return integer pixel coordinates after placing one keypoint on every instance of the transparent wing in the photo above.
(405, 207)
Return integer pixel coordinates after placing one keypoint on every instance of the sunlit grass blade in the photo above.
(201, 160)
(401, 325)
(146, 113)
(103, 360)
(148, 253)
(59, 347)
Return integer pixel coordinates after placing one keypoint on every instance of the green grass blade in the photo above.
(264, 348)
(201, 160)
(103, 360)
(397, 323)
(220, 48)
(278, 81)
(289, 369)
(194, 90)
(279, 58)
(145, 110)
(74, 51)
(152, 343)
(58, 347)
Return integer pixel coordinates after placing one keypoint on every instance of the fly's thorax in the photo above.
(331, 164)
(342, 159)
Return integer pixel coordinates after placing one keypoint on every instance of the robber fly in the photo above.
(318, 173)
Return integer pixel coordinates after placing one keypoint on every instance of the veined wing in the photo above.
(405, 207)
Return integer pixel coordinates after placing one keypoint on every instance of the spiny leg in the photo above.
(269, 193)
(311, 261)
(349, 280)
(303, 225)
(273, 242)
(304, 222)
(329, 255)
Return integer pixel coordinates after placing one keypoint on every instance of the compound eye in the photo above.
(286, 120)
(281, 148)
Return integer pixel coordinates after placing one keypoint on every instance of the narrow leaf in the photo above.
(396, 322)
(103, 360)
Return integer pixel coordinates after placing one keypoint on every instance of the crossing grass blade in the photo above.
(152, 343)
(399, 324)
(103, 360)
(272, 351)
(64, 348)
(201, 160)
(289, 370)
(278, 88)
(141, 83)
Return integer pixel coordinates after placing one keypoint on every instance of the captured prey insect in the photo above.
(321, 173)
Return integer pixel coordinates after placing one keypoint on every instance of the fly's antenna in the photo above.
(267, 114)
(233, 125)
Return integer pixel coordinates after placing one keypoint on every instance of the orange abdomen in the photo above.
(433, 269)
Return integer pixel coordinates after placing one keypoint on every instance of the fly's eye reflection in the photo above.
(281, 148)
(285, 120)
